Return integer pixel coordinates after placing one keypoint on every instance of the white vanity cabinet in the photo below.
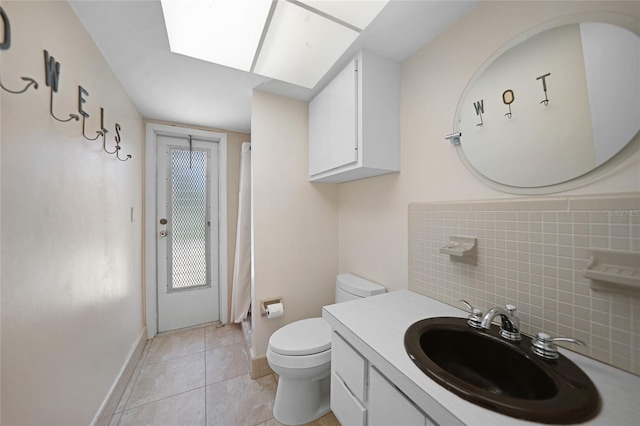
(397, 392)
(354, 122)
(361, 395)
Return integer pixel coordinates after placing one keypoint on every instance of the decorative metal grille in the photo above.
(189, 245)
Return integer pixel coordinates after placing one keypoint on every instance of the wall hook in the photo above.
(99, 132)
(545, 101)
(104, 132)
(118, 139)
(104, 145)
(118, 154)
(71, 116)
(52, 73)
(117, 149)
(84, 114)
(5, 45)
(30, 82)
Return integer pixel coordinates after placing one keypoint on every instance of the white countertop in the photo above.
(375, 326)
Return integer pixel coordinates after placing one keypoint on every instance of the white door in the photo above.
(187, 232)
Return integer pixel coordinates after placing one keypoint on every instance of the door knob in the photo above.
(163, 221)
(163, 233)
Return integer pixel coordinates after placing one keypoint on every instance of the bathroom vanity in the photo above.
(374, 382)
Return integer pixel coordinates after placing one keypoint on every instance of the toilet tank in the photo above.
(350, 287)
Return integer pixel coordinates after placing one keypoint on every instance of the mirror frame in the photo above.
(628, 22)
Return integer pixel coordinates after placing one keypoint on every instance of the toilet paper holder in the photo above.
(266, 302)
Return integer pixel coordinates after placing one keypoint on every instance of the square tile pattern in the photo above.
(199, 376)
(532, 253)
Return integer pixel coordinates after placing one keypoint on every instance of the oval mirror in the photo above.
(550, 108)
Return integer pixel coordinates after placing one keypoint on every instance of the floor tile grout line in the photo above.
(166, 397)
(187, 329)
(191, 353)
(174, 358)
(233, 342)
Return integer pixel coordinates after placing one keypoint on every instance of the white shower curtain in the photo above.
(241, 290)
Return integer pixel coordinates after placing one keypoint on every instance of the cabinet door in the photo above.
(343, 117)
(388, 406)
(333, 123)
(319, 152)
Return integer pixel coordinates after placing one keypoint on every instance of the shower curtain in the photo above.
(241, 289)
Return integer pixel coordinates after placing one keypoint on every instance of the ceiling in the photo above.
(171, 87)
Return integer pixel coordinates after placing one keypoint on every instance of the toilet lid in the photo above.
(304, 337)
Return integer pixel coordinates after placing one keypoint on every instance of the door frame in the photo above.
(150, 260)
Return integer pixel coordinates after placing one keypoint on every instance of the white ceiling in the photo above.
(171, 87)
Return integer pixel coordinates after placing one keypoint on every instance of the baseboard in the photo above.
(110, 403)
(259, 366)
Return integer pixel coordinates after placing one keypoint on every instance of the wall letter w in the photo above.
(479, 106)
(52, 71)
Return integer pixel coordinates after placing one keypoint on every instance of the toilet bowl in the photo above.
(300, 353)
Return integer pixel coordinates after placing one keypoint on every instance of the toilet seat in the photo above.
(299, 362)
(305, 337)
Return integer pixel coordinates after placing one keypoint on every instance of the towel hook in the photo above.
(84, 114)
(52, 73)
(5, 45)
(118, 147)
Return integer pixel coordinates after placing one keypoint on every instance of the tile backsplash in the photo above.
(531, 253)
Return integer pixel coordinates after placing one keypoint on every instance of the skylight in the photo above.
(289, 40)
(225, 32)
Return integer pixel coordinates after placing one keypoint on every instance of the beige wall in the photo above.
(373, 212)
(71, 247)
(295, 222)
(234, 146)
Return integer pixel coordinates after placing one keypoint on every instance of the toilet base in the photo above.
(301, 401)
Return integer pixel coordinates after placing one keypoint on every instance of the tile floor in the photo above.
(199, 376)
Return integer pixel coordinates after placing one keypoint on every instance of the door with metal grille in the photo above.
(187, 232)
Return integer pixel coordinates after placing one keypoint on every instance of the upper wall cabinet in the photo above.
(354, 122)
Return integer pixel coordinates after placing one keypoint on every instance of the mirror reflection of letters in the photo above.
(553, 107)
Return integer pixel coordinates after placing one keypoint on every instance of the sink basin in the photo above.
(483, 368)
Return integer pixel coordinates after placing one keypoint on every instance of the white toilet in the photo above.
(300, 353)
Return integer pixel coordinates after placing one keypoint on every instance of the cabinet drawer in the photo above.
(349, 365)
(346, 407)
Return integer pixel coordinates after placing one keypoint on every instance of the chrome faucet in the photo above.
(510, 324)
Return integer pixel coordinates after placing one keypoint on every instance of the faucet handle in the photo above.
(542, 345)
(475, 316)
